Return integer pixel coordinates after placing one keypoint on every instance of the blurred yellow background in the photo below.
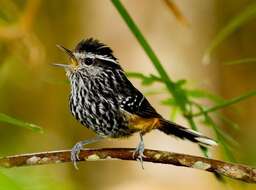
(32, 90)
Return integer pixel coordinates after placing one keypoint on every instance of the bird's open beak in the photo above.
(61, 65)
(74, 62)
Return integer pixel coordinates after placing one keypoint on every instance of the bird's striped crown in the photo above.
(95, 47)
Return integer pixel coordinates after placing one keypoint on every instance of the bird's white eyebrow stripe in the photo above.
(94, 56)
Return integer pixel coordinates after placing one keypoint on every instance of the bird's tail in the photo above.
(171, 128)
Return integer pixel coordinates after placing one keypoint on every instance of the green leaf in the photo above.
(181, 82)
(145, 80)
(174, 111)
(169, 102)
(241, 61)
(16, 122)
(226, 103)
(196, 93)
(246, 15)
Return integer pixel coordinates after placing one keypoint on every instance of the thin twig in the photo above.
(235, 171)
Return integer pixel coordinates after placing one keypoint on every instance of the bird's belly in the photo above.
(102, 117)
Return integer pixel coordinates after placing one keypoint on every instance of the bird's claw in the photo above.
(140, 160)
(79, 146)
(140, 152)
(75, 153)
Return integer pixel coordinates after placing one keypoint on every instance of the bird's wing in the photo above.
(136, 103)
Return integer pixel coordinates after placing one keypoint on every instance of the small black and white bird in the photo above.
(105, 101)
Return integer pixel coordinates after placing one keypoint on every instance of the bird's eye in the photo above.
(88, 61)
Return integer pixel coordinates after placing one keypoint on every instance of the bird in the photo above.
(104, 100)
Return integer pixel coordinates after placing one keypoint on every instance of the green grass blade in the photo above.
(194, 127)
(180, 98)
(208, 120)
(16, 122)
(145, 45)
(239, 20)
(226, 103)
(220, 138)
(229, 122)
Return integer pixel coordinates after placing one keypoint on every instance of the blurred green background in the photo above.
(34, 91)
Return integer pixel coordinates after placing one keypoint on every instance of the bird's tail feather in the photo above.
(171, 128)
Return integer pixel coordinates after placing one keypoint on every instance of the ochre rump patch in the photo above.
(143, 125)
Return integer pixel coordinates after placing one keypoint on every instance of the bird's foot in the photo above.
(139, 151)
(75, 153)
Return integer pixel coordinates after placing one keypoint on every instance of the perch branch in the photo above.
(235, 171)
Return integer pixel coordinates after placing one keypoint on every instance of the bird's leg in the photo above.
(140, 150)
(79, 146)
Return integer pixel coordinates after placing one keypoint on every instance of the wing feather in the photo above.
(136, 103)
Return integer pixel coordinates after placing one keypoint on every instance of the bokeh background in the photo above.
(32, 90)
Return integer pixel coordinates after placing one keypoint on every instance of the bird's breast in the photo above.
(98, 110)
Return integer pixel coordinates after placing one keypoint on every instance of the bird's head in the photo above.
(89, 58)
